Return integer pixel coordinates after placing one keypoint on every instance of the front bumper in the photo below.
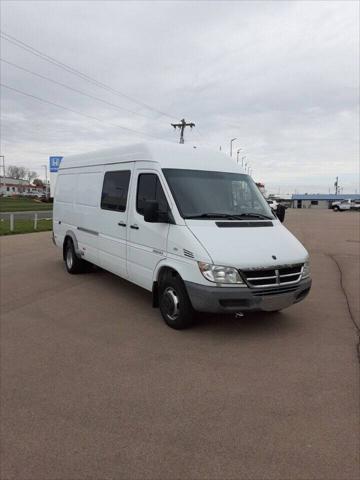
(243, 299)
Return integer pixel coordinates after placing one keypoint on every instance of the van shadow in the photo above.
(254, 323)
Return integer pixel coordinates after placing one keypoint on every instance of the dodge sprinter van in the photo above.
(185, 223)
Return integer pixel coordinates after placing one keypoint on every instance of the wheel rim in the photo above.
(69, 258)
(170, 304)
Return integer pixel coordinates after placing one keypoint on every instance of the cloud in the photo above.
(282, 77)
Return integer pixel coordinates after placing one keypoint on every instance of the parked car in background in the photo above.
(32, 194)
(345, 205)
(273, 204)
(277, 208)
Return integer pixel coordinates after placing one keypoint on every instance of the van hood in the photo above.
(248, 247)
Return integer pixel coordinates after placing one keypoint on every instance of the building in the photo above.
(319, 200)
(14, 186)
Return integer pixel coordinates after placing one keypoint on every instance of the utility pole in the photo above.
(336, 185)
(3, 158)
(182, 125)
(231, 142)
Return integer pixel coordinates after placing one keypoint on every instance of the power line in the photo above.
(74, 71)
(137, 132)
(73, 89)
(202, 137)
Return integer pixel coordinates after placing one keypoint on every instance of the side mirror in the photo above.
(280, 212)
(151, 211)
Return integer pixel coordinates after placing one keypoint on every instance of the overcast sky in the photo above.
(282, 77)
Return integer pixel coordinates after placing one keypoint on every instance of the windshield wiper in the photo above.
(229, 216)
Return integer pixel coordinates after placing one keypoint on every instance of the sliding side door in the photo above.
(114, 217)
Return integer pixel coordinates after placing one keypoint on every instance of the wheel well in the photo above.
(163, 273)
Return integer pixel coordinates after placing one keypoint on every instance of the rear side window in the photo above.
(149, 188)
(115, 190)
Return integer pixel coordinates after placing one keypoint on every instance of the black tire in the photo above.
(336, 209)
(174, 303)
(73, 263)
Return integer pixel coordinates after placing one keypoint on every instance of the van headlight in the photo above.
(306, 270)
(220, 274)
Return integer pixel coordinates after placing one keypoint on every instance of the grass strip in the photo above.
(18, 204)
(25, 226)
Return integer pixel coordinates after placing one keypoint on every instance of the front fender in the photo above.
(187, 269)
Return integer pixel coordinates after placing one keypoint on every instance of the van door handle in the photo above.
(134, 227)
(122, 224)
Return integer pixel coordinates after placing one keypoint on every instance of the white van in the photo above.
(185, 223)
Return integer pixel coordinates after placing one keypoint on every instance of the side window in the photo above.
(115, 190)
(149, 188)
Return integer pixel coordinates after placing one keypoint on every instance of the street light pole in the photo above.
(46, 178)
(242, 161)
(231, 142)
(237, 155)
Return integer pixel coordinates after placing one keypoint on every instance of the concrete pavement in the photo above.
(95, 386)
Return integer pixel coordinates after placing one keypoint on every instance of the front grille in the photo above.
(274, 291)
(269, 277)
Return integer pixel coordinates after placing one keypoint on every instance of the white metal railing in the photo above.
(35, 218)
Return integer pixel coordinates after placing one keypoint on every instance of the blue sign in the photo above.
(55, 163)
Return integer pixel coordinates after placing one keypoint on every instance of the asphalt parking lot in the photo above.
(95, 386)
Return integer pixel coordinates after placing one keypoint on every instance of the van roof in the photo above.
(168, 155)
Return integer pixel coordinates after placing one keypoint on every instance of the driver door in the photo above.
(147, 242)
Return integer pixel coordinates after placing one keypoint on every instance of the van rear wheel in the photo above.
(174, 303)
(73, 263)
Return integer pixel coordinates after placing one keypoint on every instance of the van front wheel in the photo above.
(174, 303)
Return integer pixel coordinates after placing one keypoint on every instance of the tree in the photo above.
(30, 175)
(14, 171)
(20, 173)
(38, 183)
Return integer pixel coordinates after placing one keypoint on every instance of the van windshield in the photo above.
(205, 194)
